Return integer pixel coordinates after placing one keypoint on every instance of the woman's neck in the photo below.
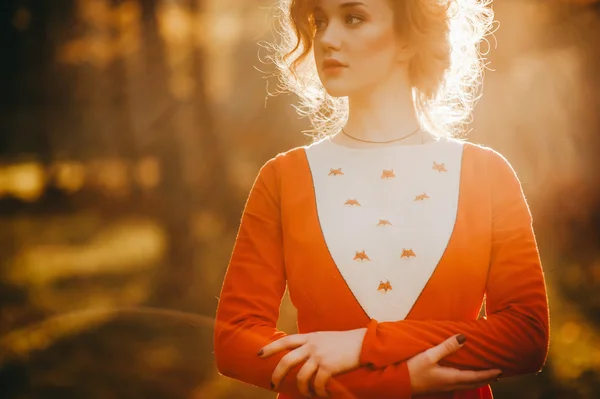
(385, 114)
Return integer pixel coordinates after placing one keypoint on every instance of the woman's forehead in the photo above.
(335, 4)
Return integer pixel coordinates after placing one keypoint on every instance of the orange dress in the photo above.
(406, 241)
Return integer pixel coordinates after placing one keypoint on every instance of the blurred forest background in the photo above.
(130, 134)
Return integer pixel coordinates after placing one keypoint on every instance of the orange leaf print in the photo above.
(407, 253)
(388, 174)
(384, 286)
(421, 197)
(352, 202)
(440, 167)
(383, 222)
(335, 172)
(361, 256)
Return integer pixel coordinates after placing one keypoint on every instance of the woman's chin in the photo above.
(336, 90)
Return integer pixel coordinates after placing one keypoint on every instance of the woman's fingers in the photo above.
(467, 377)
(456, 380)
(304, 376)
(427, 376)
(444, 349)
(288, 342)
(288, 362)
(478, 377)
(320, 382)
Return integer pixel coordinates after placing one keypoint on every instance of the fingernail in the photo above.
(260, 352)
(461, 339)
(272, 385)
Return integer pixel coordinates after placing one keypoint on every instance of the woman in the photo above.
(386, 264)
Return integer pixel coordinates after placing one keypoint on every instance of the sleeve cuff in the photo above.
(366, 351)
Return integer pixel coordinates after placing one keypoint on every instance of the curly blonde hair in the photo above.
(445, 71)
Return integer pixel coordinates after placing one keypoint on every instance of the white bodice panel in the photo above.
(386, 215)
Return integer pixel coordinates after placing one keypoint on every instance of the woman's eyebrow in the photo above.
(348, 4)
(352, 4)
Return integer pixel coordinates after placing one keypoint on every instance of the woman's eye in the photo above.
(319, 23)
(353, 20)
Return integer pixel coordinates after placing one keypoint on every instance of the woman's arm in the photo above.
(250, 300)
(514, 336)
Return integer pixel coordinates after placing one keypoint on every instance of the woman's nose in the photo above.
(331, 37)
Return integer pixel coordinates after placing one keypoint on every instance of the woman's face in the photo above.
(355, 46)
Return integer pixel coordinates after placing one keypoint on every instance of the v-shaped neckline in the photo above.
(387, 265)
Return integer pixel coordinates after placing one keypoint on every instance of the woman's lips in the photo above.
(332, 65)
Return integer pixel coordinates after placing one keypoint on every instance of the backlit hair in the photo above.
(445, 71)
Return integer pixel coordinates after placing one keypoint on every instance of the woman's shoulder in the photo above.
(290, 156)
(491, 166)
(283, 162)
(483, 156)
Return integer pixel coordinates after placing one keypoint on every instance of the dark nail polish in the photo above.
(260, 352)
(461, 339)
(272, 385)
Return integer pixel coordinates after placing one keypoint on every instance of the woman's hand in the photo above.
(427, 377)
(328, 353)
(325, 353)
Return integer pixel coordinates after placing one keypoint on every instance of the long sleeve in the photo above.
(249, 305)
(514, 335)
